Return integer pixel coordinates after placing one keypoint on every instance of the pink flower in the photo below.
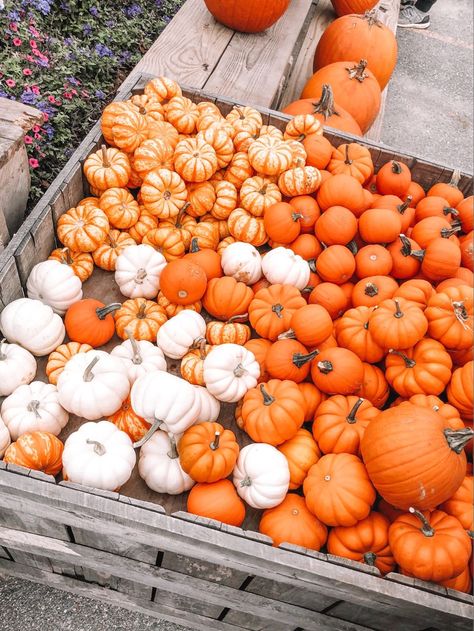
(74, 92)
(13, 27)
(36, 128)
(38, 136)
(33, 44)
(30, 58)
(28, 140)
(51, 99)
(17, 41)
(27, 72)
(67, 95)
(35, 89)
(36, 52)
(34, 164)
(45, 117)
(10, 83)
(34, 32)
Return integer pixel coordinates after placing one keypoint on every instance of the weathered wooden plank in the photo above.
(372, 619)
(16, 113)
(189, 48)
(36, 245)
(254, 68)
(156, 610)
(10, 284)
(73, 507)
(243, 620)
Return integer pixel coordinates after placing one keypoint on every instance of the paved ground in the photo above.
(429, 113)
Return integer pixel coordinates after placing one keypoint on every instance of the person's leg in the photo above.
(424, 5)
(416, 15)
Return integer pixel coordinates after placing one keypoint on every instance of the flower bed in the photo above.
(67, 58)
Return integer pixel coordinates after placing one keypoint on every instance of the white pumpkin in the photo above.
(34, 407)
(229, 371)
(5, 439)
(98, 455)
(137, 271)
(33, 325)
(93, 384)
(283, 266)
(139, 357)
(210, 406)
(167, 402)
(17, 366)
(261, 475)
(54, 284)
(180, 333)
(243, 262)
(159, 465)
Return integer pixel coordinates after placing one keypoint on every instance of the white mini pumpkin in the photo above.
(229, 371)
(17, 366)
(137, 271)
(159, 465)
(33, 325)
(93, 384)
(243, 262)
(261, 475)
(166, 401)
(283, 266)
(34, 407)
(54, 284)
(98, 455)
(180, 333)
(210, 406)
(5, 439)
(139, 357)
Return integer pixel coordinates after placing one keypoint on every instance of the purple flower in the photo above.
(100, 95)
(132, 11)
(14, 16)
(64, 6)
(73, 80)
(103, 51)
(43, 6)
(28, 97)
(87, 29)
(158, 3)
(125, 55)
(3, 93)
(110, 23)
(94, 11)
(68, 41)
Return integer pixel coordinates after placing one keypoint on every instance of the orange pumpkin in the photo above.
(230, 332)
(225, 199)
(281, 222)
(162, 88)
(239, 169)
(271, 309)
(342, 190)
(141, 317)
(83, 229)
(208, 452)
(448, 190)
(336, 226)
(106, 254)
(153, 154)
(379, 225)
(40, 451)
(270, 155)
(416, 290)
(450, 317)
(171, 308)
(260, 347)
(168, 241)
(195, 160)
(313, 399)
(336, 264)
(292, 522)
(289, 359)
(404, 265)
(183, 282)
(374, 386)
(145, 223)
(460, 504)
(163, 193)
(81, 263)
(460, 390)
(243, 226)
(306, 206)
(301, 452)
(182, 113)
(59, 357)
(89, 321)
(310, 325)
(192, 364)
(331, 297)
(352, 332)
(393, 178)
(257, 194)
(352, 159)
(129, 130)
(337, 371)
(225, 297)
(127, 421)
(218, 500)
(107, 168)
(397, 323)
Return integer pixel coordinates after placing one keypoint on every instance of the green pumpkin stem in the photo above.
(458, 438)
(99, 448)
(215, 443)
(155, 426)
(396, 167)
(406, 204)
(267, 398)
(351, 417)
(426, 528)
(370, 558)
(102, 312)
(409, 363)
(300, 360)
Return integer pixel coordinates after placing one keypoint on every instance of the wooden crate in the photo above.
(141, 550)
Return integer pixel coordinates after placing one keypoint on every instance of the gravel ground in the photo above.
(429, 113)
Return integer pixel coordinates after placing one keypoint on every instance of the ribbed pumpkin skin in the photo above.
(460, 504)
(408, 458)
(359, 37)
(247, 16)
(343, 7)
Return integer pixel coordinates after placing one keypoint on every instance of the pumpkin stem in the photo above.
(278, 308)
(105, 158)
(288, 335)
(398, 312)
(325, 367)
(66, 256)
(447, 210)
(358, 71)
(173, 452)
(141, 311)
(181, 213)
(448, 232)
(372, 18)
(33, 407)
(461, 314)
(370, 558)
(458, 438)
(137, 358)
(104, 311)
(99, 448)
(3, 354)
(426, 528)
(239, 370)
(202, 348)
(88, 374)
(371, 289)
(215, 443)
(418, 254)
(194, 245)
(456, 176)
(140, 276)
(296, 216)
(246, 481)
(243, 317)
(347, 160)
(406, 245)
(402, 207)
(351, 418)
(352, 247)
(113, 242)
(325, 105)
(470, 534)
(155, 426)
(199, 342)
(396, 167)
(312, 265)
(409, 363)
(267, 398)
(300, 360)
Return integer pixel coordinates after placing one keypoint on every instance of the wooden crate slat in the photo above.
(189, 48)
(36, 244)
(372, 619)
(10, 284)
(255, 67)
(244, 620)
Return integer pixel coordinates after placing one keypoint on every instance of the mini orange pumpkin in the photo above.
(89, 321)
(127, 421)
(83, 229)
(81, 263)
(107, 168)
(40, 451)
(183, 282)
(271, 309)
(225, 297)
(171, 308)
(243, 226)
(218, 500)
(106, 254)
(141, 317)
(195, 160)
(230, 332)
(163, 193)
(337, 371)
(301, 452)
(58, 358)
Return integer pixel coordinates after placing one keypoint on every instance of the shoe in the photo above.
(411, 17)
(407, 3)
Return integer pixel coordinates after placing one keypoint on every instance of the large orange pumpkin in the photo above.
(343, 7)
(247, 16)
(218, 500)
(359, 37)
(292, 522)
(412, 459)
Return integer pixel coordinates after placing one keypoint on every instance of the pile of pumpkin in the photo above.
(361, 293)
(354, 60)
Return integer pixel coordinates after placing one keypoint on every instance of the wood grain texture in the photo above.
(10, 285)
(189, 48)
(254, 68)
